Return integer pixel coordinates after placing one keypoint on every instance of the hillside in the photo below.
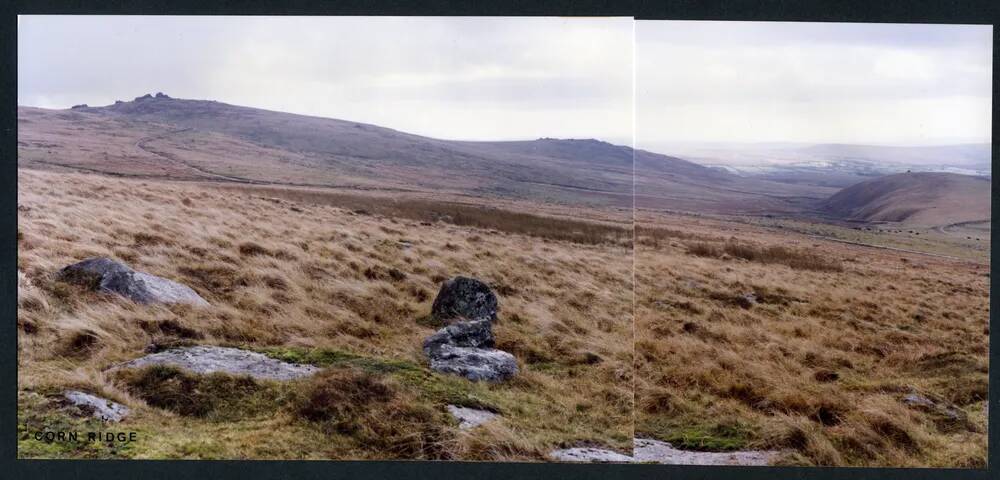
(670, 183)
(847, 355)
(207, 140)
(163, 137)
(306, 278)
(919, 199)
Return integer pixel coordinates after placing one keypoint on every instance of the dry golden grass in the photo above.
(310, 280)
(818, 364)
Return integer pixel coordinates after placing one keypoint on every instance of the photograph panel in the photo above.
(813, 243)
(324, 238)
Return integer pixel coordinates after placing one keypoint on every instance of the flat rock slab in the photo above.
(106, 275)
(476, 364)
(589, 455)
(655, 451)
(207, 359)
(470, 417)
(98, 407)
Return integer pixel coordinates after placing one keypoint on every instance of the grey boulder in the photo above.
(475, 334)
(475, 364)
(97, 407)
(209, 359)
(106, 275)
(465, 299)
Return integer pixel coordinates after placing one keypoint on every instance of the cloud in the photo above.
(847, 83)
(467, 78)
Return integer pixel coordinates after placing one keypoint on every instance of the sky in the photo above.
(453, 78)
(887, 84)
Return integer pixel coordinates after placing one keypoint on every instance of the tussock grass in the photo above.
(818, 363)
(771, 254)
(377, 413)
(216, 397)
(293, 283)
(467, 215)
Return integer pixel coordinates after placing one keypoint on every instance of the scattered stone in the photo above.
(98, 407)
(589, 455)
(747, 300)
(470, 417)
(917, 400)
(655, 451)
(826, 376)
(208, 359)
(477, 334)
(106, 275)
(465, 298)
(944, 415)
(475, 364)
(590, 358)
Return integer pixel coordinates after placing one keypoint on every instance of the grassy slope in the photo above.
(714, 372)
(312, 281)
(200, 139)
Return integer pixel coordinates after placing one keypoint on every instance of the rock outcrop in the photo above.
(106, 275)
(474, 334)
(209, 359)
(465, 347)
(476, 364)
(463, 298)
(97, 407)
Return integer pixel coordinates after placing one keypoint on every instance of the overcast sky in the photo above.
(458, 78)
(811, 82)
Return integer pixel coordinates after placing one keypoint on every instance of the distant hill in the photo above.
(670, 183)
(159, 136)
(836, 165)
(163, 137)
(971, 156)
(924, 198)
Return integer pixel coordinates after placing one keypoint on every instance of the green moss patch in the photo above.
(216, 396)
(710, 436)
